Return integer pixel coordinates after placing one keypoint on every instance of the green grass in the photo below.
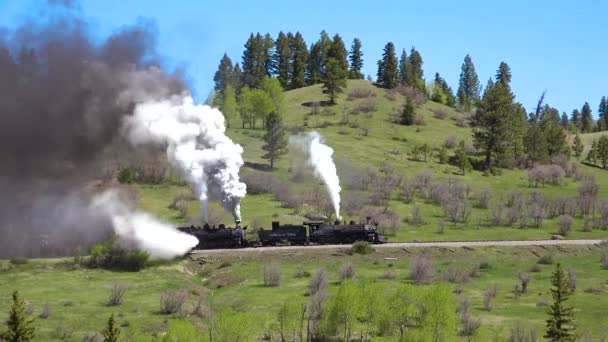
(234, 281)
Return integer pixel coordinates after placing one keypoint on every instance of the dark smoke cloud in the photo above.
(62, 101)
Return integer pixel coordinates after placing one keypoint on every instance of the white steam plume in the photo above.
(196, 144)
(320, 157)
(158, 238)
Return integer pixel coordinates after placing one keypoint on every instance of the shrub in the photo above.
(301, 273)
(116, 294)
(461, 121)
(588, 223)
(484, 196)
(441, 226)
(421, 270)
(488, 297)
(604, 260)
(484, 265)
(201, 309)
(362, 247)
(470, 325)
(416, 216)
(318, 283)
(572, 280)
(126, 176)
(419, 120)
(111, 255)
(475, 271)
(366, 105)
(524, 279)
(440, 113)
(347, 272)
(182, 209)
(407, 191)
(46, 312)
(535, 268)
(455, 275)
(388, 274)
(546, 259)
(450, 142)
(18, 261)
(272, 275)
(519, 333)
(361, 92)
(541, 303)
(593, 290)
(565, 224)
(172, 301)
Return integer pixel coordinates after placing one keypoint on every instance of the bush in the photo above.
(419, 120)
(421, 270)
(455, 275)
(440, 113)
(366, 105)
(416, 216)
(546, 259)
(450, 142)
(126, 176)
(46, 312)
(201, 309)
(488, 297)
(535, 268)
(116, 294)
(565, 224)
(461, 121)
(347, 272)
(362, 247)
(18, 261)
(112, 256)
(272, 275)
(541, 303)
(318, 283)
(301, 273)
(388, 274)
(524, 279)
(361, 92)
(172, 301)
(604, 260)
(484, 196)
(572, 280)
(470, 325)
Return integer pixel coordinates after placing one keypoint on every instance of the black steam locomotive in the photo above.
(312, 232)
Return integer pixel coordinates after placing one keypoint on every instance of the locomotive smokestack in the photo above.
(238, 222)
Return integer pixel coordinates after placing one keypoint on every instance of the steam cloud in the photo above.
(196, 144)
(320, 157)
(63, 101)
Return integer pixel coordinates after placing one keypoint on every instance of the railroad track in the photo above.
(513, 243)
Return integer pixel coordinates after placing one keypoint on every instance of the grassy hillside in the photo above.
(369, 139)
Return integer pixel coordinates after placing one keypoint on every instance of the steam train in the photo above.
(310, 232)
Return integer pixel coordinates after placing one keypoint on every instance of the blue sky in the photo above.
(558, 46)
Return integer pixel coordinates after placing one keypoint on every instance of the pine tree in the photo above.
(339, 53)
(283, 60)
(603, 112)
(388, 76)
(223, 76)
(536, 143)
(575, 119)
(334, 80)
(416, 74)
(403, 68)
(268, 46)
(463, 162)
(408, 113)
(299, 52)
(564, 121)
(503, 75)
(254, 61)
(586, 118)
(318, 59)
(561, 324)
(237, 78)
(468, 85)
(441, 92)
(111, 333)
(274, 139)
(19, 327)
(592, 154)
(356, 60)
(601, 151)
(577, 146)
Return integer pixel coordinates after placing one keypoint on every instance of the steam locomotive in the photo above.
(310, 232)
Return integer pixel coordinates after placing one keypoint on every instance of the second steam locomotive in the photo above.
(311, 232)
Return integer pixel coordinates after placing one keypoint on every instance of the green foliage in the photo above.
(318, 59)
(254, 104)
(561, 322)
(111, 333)
(355, 57)
(19, 328)
(403, 68)
(18, 261)
(577, 146)
(334, 80)
(503, 75)
(282, 59)
(342, 309)
(462, 159)
(112, 256)
(603, 113)
(275, 141)
(290, 319)
(408, 113)
(441, 92)
(362, 247)
(439, 319)
(273, 87)
(468, 85)
(224, 75)
(388, 74)
(299, 53)
(229, 105)
(414, 72)
(586, 118)
(256, 57)
(126, 176)
(183, 330)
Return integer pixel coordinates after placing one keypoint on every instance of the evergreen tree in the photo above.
(503, 75)
(468, 85)
(403, 68)
(283, 60)
(577, 146)
(575, 119)
(19, 328)
(601, 151)
(489, 85)
(356, 60)
(318, 58)
(592, 154)
(536, 143)
(564, 121)
(554, 135)
(560, 325)
(254, 61)
(223, 76)
(334, 80)
(268, 46)
(441, 92)
(299, 52)
(493, 134)
(275, 142)
(111, 333)
(339, 53)
(462, 159)
(237, 77)
(408, 113)
(586, 118)
(603, 112)
(416, 74)
(388, 76)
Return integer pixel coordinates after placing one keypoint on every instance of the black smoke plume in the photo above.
(63, 96)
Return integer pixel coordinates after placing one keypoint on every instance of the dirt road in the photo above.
(415, 245)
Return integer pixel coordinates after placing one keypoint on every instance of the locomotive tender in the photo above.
(312, 232)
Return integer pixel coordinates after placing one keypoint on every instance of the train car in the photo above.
(283, 234)
(323, 233)
(217, 237)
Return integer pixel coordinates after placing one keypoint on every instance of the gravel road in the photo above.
(414, 245)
